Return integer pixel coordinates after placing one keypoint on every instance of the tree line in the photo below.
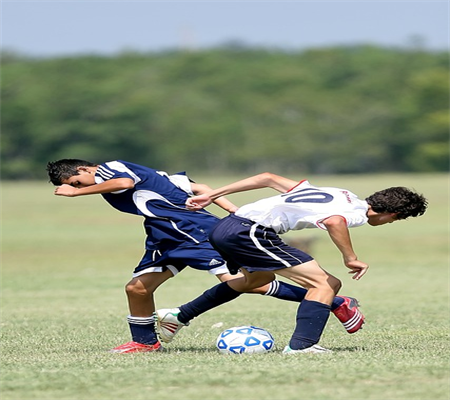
(232, 109)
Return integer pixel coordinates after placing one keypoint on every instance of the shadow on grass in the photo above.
(194, 349)
(210, 350)
(348, 348)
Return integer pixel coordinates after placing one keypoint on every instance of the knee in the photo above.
(335, 284)
(133, 289)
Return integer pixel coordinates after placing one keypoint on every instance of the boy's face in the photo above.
(376, 219)
(85, 178)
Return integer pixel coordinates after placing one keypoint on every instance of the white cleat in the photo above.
(167, 324)
(313, 349)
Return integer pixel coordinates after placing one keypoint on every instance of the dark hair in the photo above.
(400, 200)
(65, 168)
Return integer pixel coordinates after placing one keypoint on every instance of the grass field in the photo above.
(65, 262)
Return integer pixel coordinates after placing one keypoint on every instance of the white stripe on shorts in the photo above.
(149, 270)
(263, 249)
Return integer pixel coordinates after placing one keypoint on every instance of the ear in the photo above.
(82, 168)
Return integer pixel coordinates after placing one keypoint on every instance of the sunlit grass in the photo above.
(65, 262)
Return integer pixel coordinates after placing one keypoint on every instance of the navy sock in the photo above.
(285, 291)
(217, 295)
(142, 329)
(337, 301)
(312, 317)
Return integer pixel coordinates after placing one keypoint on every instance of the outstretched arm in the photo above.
(112, 185)
(264, 180)
(340, 235)
(198, 189)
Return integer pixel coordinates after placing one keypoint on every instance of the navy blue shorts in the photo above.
(243, 243)
(200, 256)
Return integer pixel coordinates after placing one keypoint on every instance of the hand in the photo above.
(65, 190)
(358, 268)
(233, 209)
(198, 202)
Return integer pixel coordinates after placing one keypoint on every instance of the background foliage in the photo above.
(230, 110)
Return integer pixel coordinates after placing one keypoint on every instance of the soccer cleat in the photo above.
(349, 314)
(313, 349)
(135, 347)
(167, 324)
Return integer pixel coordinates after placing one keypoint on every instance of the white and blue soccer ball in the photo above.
(245, 339)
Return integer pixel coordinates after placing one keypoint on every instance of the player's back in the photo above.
(161, 199)
(305, 207)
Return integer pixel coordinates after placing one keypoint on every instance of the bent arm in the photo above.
(340, 235)
(112, 185)
(264, 180)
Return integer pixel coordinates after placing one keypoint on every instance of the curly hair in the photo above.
(65, 168)
(400, 200)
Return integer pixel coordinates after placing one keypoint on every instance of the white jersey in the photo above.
(306, 206)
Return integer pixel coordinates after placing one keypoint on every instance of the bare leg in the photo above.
(140, 292)
(321, 285)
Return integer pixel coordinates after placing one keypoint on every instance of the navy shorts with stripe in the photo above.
(201, 256)
(252, 246)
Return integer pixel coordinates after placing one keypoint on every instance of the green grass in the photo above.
(65, 262)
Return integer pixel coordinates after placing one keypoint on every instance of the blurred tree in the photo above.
(232, 109)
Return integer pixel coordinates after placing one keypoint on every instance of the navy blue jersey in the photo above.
(160, 199)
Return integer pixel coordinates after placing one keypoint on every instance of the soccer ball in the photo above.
(245, 339)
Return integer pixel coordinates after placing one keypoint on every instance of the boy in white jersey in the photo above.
(175, 237)
(249, 240)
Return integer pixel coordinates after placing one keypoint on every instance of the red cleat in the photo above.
(134, 347)
(349, 314)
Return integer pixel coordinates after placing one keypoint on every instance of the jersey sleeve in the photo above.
(351, 219)
(181, 181)
(115, 170)
(355, 219)
(303, 183)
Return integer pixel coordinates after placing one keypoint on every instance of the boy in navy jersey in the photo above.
(249, 240)
(176, 237)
